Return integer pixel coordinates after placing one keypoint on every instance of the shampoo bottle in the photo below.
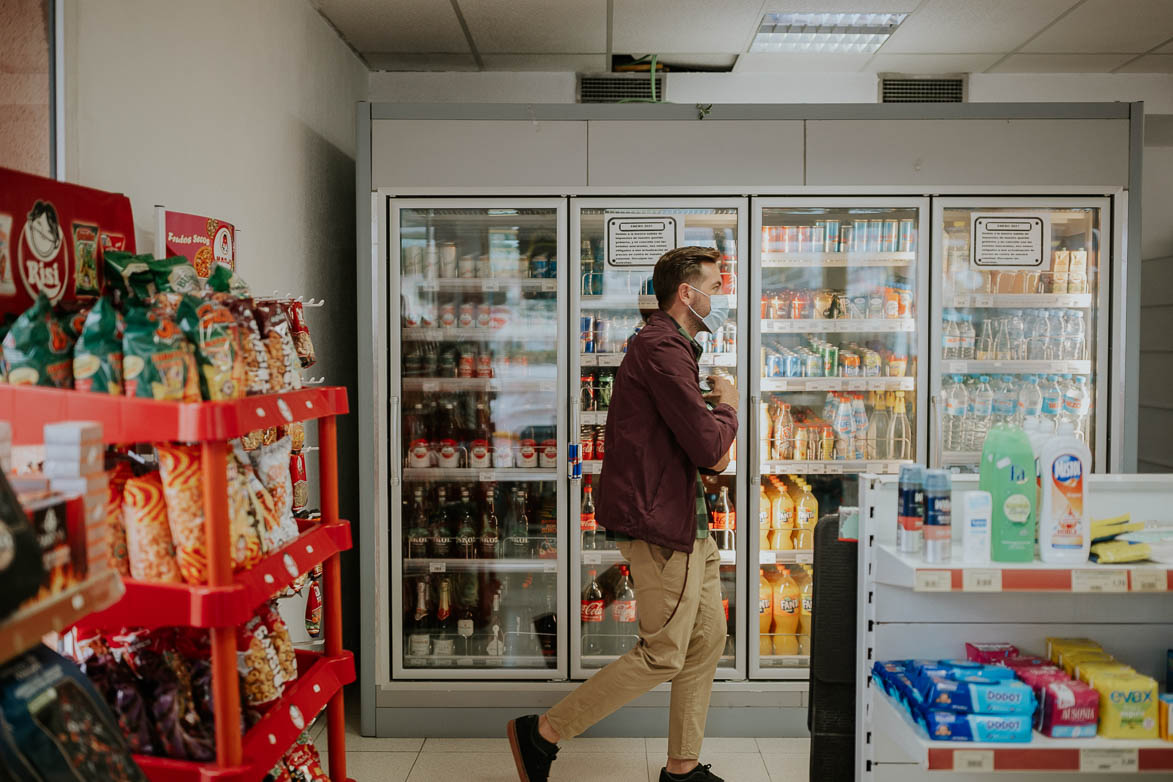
(1064, 526)
(1008, 474)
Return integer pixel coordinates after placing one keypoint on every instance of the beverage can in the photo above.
(448, 316)
(871, 363)
(500, 316)
(603, 335)
(548, 455)
(484, 363)
(859, 235)
(467, 316)
(587, 435)
(850, 364)
(413, 260)
(876, 304)
(803, 240)
(875, 235)
(813, 366)
(786, 238)
(527, 452)
(728, 339)
(831, 361)
(600, 438)
(537, 266)
(907, 241)
(793, 366)
(890, 236)
(586, 330)
(831, 236)
(484, 267)
(606, 383)
(818, 236)
(468, 266)
(448, 263)
(846, 232)
(774, 366)
(484, 316)
(466, 364)
(503, 449)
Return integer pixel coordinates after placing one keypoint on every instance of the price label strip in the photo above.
(1149, 580)
(973, 761)
(804, 557)
(1109, 761)
(1098, 581)
(981, 580)
(437, 567)
(933, 581)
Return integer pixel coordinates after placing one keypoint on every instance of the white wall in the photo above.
(1155, 424)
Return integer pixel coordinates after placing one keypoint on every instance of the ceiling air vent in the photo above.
(922, 89)
(618, 87)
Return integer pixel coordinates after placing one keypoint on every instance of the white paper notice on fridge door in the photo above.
(640, 240)
(1009, 240)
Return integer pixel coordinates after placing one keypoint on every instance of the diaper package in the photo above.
(989, 653)
(1068, 710)
(1128, 706)
(973, 695)
(998, 728)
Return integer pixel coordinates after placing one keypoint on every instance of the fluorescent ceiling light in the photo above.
(825, 33)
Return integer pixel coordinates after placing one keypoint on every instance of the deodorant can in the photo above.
(938, 529)
(910, 508)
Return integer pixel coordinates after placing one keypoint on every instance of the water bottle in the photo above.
(951, 348)
(1054, 351)
(1073, 336)
(1016, 335)
(1052, 398)
(1005, 400)
(844, 425)
(984, 347)
(968, 337)
(1077, 404)
(983, 408)
(860, 415)
(1036, 336)
(956, 407)
(1003, 349)
(1030, 399)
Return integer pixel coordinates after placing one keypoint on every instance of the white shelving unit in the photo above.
(912, 609)
(838, 383)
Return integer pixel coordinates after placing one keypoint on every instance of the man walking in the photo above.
(661, 429)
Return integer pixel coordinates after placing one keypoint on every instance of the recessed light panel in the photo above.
(825, 33)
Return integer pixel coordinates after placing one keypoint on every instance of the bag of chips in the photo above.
(175, 275)
(150, 553)
(297, 477)
(262, 678)
(296, 432)
(252, 346)
(115, 529)
(313, 609)
(179, 468)
(295, 313)
(271, 464)
(72, 320)
(214, 332)
(284, 365)
(129, 275)
(118, 685)
(97, 354)
(182, 733)
(246, 519)
(22, 568)
(304, 762)
(37, 350)
(224, 280)
(281, 640)
(157, 360)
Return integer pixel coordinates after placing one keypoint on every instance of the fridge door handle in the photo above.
(755, 449)
(395, 444)
(574, 457)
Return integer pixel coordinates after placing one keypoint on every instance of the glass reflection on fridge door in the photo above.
(838, 301)
(480, 452)
(1021, 294)
(610, 302)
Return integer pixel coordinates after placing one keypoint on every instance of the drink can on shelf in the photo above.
(813, 366)
(804, 239)
(484, 363)
(600, 437)
(786, 238)
(830, 361)
(587, 435)
(484, 267)
(413, 260)
(603, 335)
(448, 316)
(871, 363)
(448, 264)
(500, 317)
(484, 316)
(774, 366)
(466, 364)
(468, 267)
(538, 266)
(467, 316)
(890, 237)
(818, 236)
(907, 236)
(793, 367)
(831, 236)
(859, 235)
(875, 235)
(850, 364)
(586, 330)
(846, 232)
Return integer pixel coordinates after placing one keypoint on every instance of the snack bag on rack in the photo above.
(115, 529)
(225, 280)
(150, 553)
(297, 475)
(303, 761)
(97, 354)
(259, 664)
(179, 467)
(295, 313)
(313, 608)
(175, 275)
(296, 432)
(264, 511)
(252, 346)
(281, 640)
(157, 360)
(284, 365)
(37, 350)
(56, 725)
(183, 735)
(129, 275)
(213, 331)
(246, 517)
(271, 464)
(118, 685)
(72, 320)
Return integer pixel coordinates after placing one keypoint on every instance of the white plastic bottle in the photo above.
(1076, 406)
(983, 406)
(1030, 399)
(976, 510)
(968, 336)
(956, 407)
(952, 347)
(1064, 523)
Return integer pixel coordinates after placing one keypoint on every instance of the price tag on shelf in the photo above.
(973, 761)
(550, 567)
(1109, 761)
(954, 367)
(835, 469)
(879, 468)
(933, 581)
(549, 285)
(981, 580)
(983, 300)
(1149, 580)
(961, 300)
(804, 557)
(588, 360)
(490, 286)
(1099, 581)
(546, 387)
(437, 567)
(767, 558)
(820, 385)
(857, 385)
(486, 476)
(592, 558)
(429, 286)
(610, 359)
(817, 468)
(465, 662)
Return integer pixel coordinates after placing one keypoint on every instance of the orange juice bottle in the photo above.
(765, 614)
(807, 507)
(764, 510)
(787, 599)
(805, 615)
(782, 519)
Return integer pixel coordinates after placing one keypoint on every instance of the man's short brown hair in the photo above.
(681, 264)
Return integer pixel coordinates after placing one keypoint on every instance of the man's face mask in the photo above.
(719, 306)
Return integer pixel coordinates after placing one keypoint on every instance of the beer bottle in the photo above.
(440, 533)
(489, 545)
(417, 533)
(466, 532)
(517, 543)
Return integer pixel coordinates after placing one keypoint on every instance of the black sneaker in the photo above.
(532, 753)
(698, 774)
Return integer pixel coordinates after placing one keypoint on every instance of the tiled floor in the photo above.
(580, 760)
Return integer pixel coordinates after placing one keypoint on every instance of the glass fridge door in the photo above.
(837, 384)
(479, 439)
(1020, 291)
(610, 292)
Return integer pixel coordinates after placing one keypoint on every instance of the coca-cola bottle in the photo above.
(417, 533)
(466, 531)
(495, 631)
(440, 529)
(448, 437)
(489, 544)
(724, 521)
(624, 616)
(586, 517)
(416, 437)
(546, 628)
(592, 616)
(517, 542)
(480, 447)
(419, 632)
(444, 637)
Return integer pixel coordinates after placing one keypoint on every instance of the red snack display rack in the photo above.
(227, 597)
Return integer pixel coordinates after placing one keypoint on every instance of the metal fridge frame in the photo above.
(395, 206)
(1101, 373)
(577, 204)
(923, 206)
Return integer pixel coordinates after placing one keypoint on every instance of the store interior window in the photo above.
(26, 114)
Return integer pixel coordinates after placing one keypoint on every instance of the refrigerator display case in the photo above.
(478, 438)
(608, 300)
(1020, 292)
(837, 378)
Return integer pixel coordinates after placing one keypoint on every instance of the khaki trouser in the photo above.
(682, 633)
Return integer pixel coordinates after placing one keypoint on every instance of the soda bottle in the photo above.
(466, 531)
(765, 614)
(784, 433)
(877, 433)
(806, 614)
(763, 517)
(783, 518)
(586, 519)
(786, 599)
(419, 633)
(440, 531)
(592, 616)
(807, 508)
(489, 544)
(844, 424)
(417, 533)
(624, 616)
(444, 639)
(724, 521)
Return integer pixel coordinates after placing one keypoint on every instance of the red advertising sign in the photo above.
(203, 241)
(52, 236)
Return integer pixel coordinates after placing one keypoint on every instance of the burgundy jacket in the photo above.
(659, 432)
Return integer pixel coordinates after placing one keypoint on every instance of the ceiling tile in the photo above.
(534, 26)
(394, 61)
(701, 26)
(405, 26)
(576, 63)
(786, 62)
(1109, 26)
(1150, 63)
(931, 63)
(840, 6)
(972, 26)
(1060, 63)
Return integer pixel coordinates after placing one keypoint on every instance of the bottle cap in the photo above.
(912, 473)
(938, 480)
